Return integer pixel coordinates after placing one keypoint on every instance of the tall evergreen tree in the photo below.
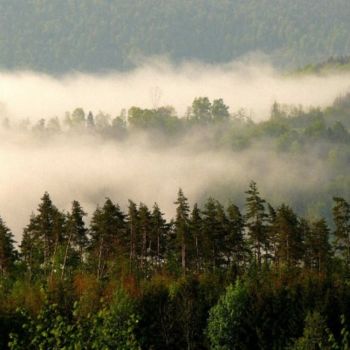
(133, 228)
(108, 231)
(196, 230)
(159, 232)
(255, 218)
(76, 239)
(46, 233)
(319, 247)
(289, 243)
(341, 218)
(237, 249)
(145, 232)
(182, 231)
(8, 253)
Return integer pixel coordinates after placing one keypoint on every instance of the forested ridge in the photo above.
(58, 36)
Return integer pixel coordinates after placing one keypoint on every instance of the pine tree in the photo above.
(289, 243)
(145, 231)
(182, 231)
(319, 244)
(341, 218)
(31, 247)
(76, 239)
(255, 218)
(133, 227)
(197, 237)
(221, 236)
(46, 233)
(8, 254)
(107, 232)
(159, 232)
(214, 231)
(237, 249)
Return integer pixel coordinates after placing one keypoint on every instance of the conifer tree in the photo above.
(341, 218)
(145, 230)
(8, 253)
(255, 218)
(320, 250)
(237, 249)
(289, 244)
(107, 232)
(133, 227)
(159, 231)
(182, 231)
(214, 229)
(76, 239)
(197, 237)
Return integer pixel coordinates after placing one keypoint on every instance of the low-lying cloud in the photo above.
(250, 85)
(88, 169)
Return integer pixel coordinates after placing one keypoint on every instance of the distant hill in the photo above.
(93, 35)
(333, 64)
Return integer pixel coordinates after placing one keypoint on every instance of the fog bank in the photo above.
(89, 170)
(249, 85)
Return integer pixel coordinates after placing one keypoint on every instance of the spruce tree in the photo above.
(196, 232)
(182, 231)
(159, 232)
(341, 218)
(289, 243)
(8, 253)
(255, 218)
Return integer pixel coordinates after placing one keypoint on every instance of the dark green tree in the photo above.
(219, 111)
(8, 254)
(341, 218)
(108, 234)
(288, 238)
(76, 240)
(201, 110)
(255, 218)
(182, 229)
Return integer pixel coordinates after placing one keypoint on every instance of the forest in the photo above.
(57, 36)
(174, 175)
(246, 271)
(212, 277)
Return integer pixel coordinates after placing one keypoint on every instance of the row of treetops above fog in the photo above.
(331, 122)
(211, 238)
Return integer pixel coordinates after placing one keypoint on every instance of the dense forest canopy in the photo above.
(93, 35)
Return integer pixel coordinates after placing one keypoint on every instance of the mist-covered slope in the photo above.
(93, 35)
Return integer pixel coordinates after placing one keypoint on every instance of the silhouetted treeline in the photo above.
(133, 279)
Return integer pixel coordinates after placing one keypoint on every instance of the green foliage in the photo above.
(315, 334)
(111, 328)
(228, 320)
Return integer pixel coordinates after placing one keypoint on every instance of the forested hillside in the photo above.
(134, 280)
(95, 35)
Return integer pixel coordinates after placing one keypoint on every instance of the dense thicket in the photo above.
(94, 35)
(135, 279)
